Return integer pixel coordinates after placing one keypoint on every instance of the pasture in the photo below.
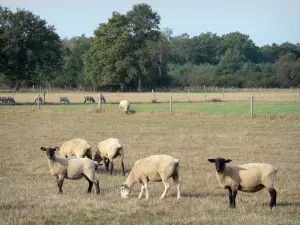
(29, 193)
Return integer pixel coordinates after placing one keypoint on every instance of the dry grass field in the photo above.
(147, 97)
(29, 193)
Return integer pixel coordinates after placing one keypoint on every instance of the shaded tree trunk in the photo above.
(140, 84)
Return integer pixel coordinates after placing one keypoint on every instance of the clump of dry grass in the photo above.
(29, 193)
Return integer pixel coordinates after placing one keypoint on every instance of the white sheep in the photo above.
(107, 151)
(76, 148)
(124, 105)
(73, 169)
(251, 177)
(38, 99)
(155, 168)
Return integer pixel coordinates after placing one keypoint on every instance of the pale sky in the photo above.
(266, 21)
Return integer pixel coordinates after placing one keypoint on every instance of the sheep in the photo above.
(72, 169)
(124, 105)
(102, 99)
(155, 168)
(38, 98)
(89, 99)
(10, 99)
(76, 147)
(251, 177)
(108, 150)
(64, 99)
(3, 99)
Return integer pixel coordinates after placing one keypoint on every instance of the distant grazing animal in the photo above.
(3, 99)
(124, 105)
(64, 100)
(10, 99)
(77, 147)
(107, 151)
(38, 98)
(72, 169)
(155, 168)
(89, 99)
(250, 177)
(103, 100)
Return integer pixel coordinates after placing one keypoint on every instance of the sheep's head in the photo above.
(49, 151)
(125, 191)
(220, 163)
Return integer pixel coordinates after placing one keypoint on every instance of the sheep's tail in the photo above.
(121, 151)
(176, 166)
(89, 153)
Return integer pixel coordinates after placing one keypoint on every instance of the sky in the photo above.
(265, 21)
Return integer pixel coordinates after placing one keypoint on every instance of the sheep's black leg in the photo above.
(106, 162)
(96, 182)
(273, 195)
(60, 184)
(233, 198)
(111, 166)
(122, 164)
(230, 198)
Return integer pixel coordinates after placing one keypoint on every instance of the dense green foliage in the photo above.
(131, 52)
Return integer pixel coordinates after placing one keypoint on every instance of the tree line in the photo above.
(131, 52)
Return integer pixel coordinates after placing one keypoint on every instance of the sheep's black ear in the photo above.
(212, 160)
(228, 160)
(43, 149)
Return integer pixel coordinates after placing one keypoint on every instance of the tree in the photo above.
(231, 61)
(31, 48)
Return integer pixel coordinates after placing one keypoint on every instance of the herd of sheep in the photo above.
(76, 161)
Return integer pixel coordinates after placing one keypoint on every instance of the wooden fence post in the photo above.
(251, 106)
(170, 103)
(99, 102)
(189, 95)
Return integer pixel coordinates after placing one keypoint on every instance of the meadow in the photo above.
(29, 193)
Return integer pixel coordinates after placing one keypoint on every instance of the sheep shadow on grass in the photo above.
(198, 195)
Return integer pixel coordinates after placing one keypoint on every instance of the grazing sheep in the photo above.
(124, 105)
(103, 100)
(107, 151)
(89, 99)
(3, 99)
(64, 100)
(155, 168)
(72, 169)
(76, 147)
(250, 177)
(10, 99)
(38, 98)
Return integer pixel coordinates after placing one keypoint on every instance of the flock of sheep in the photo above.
(72, 164)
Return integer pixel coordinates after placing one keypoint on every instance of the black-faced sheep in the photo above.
(77, 147)
(124, 105)
(72, 169)
(64, 100)
(251, 177)
(107, 151)
(155, 168)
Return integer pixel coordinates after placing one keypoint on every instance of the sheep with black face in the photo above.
(73, 169)
(251, 177)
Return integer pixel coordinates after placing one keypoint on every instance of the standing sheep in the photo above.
(38, 98)
(155, 168)
(10, 99)
(76, 147)
(124, 105)
(73, 169)
(107, 151)
(251, 177)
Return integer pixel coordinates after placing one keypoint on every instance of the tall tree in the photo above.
(32, 49)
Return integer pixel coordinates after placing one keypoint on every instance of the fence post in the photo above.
(223, 92)
(251, 106)
(153, 95)
(44, 97)
(189, 95)
(170, 103)
(99, 102)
